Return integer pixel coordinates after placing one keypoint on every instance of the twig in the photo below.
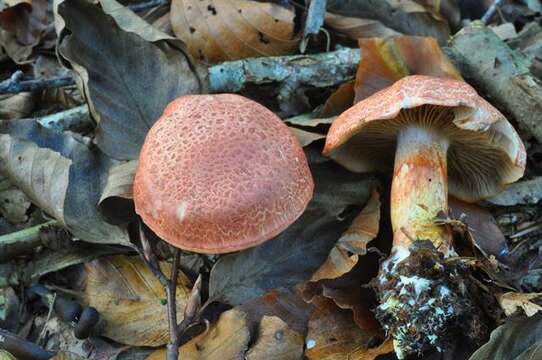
(16, 84)
(491, 11)
(22, 242)
(75, 119)
(171, 291)
(313, 22)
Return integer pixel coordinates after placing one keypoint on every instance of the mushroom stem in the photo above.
(419, 188)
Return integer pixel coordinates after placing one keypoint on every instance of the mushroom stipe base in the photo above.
(425, 300)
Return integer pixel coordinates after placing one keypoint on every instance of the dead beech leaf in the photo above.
(275, 340)
(294, 255)
(404, 16)
(332, 334)
(517, 339)
(61, 175)
(484, 230)
(126, 96)
(129, 21)
(306, 137)
(386, 60)
(228, 338)
(511, 302)
(221, 30)
(115, 202)
(22, 26)
(353, 242)
(131, 299)
(356, 28)
(371, 354)
(339, 101)
(16, 106)
(286, 304)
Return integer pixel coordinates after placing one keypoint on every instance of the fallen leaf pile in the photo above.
(81, 84)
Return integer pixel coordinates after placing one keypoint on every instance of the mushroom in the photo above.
(438, 135)
(220, 173)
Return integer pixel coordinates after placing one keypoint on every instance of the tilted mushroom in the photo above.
(220, 173)
(436, 134)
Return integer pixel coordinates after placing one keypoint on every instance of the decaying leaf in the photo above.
(61, 175)
(286, 304)
(127, 95)
(386, 60)
(129, 21)
(13, 205)
(115, 201)
(511, 302)
(16, 106)
(228, 338)
(404, 16)
(356, 28)
(306, 137)
(220, 30)
(22, 26)
(353, 242)
(332, 333)
(131, 299)
(518, 339)
(275, 340)
(339, 101)
(294, 255)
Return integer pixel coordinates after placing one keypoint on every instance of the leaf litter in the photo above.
(309, 291)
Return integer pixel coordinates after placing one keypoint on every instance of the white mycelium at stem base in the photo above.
(420, 187)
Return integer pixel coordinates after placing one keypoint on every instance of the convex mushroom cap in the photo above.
(484, 150)
(220, 173)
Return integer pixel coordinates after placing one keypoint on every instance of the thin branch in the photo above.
(16, 84)
(171, 291)
(491, 11)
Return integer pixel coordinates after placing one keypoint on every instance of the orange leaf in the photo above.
(220, 30)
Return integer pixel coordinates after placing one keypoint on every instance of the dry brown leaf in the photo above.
(356, 28)
(353, 242)
(16, 106)
(275, 340)
(332, 334)
(22, 28)
(370, 354)
(386, 60)
(131, 299)
(339, 101)
(228, 338)
(220, 30)
(306, 137)
(511, 302)
(115, 202)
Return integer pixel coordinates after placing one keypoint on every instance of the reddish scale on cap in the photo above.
(220, 173)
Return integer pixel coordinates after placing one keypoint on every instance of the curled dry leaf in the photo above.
(221, 30)
(294, 255)
(511, 302)
(332, 334)
(115, 202)
(131, 299)
(353, 242)
(61, 175)
(339, 101)
(118, 91)
(275, 340)
(386, 60)
(355, 28)
(518, 339)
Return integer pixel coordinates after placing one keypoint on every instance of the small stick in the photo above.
(16, 84)
(171, 291)
(491, 11)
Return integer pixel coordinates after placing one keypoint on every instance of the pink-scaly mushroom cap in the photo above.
(220, 173)
(485, 152)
